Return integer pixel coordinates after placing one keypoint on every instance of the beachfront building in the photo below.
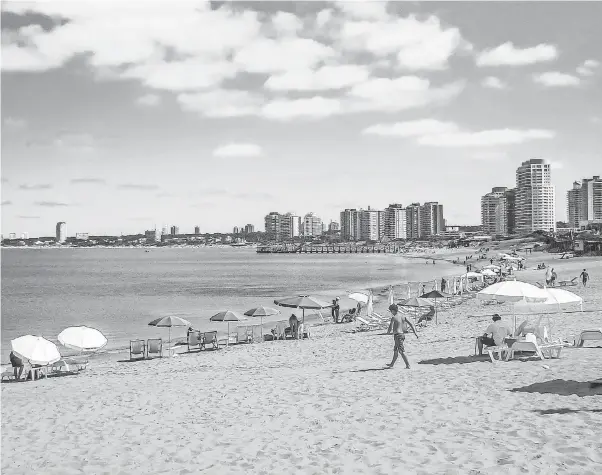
(165, 230)
(249, 228)
(413, 212)
(290, 226)
(535, 203)
(25, 235)
(175, 230)
(154, 235)
(312, 225)
(197, 230)
(573, 205)
(371, 224)
(431, 219)
(61, 231)
(494, 215)
(511, 210)
(395, 222)
(333, 227)
(350, 225)
(272, 226)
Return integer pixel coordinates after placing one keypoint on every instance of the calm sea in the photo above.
(119, 291)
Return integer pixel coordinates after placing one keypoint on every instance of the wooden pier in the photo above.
(288, 248)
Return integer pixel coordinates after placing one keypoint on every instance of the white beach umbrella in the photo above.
(513, 291)
(304, 302)
(36, 349)
(261, 312)
(82, 338)
(227, 316)
(391, 297)
(170, 321)
(359, 297)
(370, 304)
(489, 273)
(557, 300)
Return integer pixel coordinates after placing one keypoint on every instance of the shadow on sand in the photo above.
(563, 387)
(457, 360)
(563, 410)
(369, 369)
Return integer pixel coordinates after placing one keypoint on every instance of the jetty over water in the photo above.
(292, 248)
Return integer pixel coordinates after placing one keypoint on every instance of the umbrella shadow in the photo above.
(563, 387)
(368, 369)
(457, 360)
(563, 410)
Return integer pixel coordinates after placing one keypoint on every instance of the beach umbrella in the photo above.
(82, 338)
(391, 297)
(472, 275)
(227, 316)
(359, 297)
(36, 349)
(262, 312)
(170, 321)
(303, 302)
(434, 294)
(415, 302)
(489, 273)
(556, 298)
(513, 291)
(370, 304)
(492, 267)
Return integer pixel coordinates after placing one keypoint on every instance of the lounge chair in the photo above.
(589, 335)
(304, 331)
(154, 346)
(349, 316)
(209, 339)
(256, 333)
(242, 334)
(427, 317)
(530, 345)
(280, 331)
(137, 349)
(567, 283)
(63, 366)
(194, 340)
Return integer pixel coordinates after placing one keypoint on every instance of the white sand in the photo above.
(324, 406)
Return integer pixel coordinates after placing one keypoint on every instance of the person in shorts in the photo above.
(399, 325)
(17, 364)
(498, 332)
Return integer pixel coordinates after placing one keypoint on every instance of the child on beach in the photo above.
(584, 277)
(399, 325)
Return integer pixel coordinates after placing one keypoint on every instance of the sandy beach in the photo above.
(327, 405)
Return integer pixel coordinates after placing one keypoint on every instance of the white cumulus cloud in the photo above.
(507, 54)
(493, 82)
(324, 78)
(588, 67)
(556, 79)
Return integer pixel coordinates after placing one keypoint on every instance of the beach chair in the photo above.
(349, 316)
(209, 339)
(280, 331)
(154, 346)
(193, 340)
(62, 366)
(589, 335)
(137, 349)
(304, 331)
(427, 317)
(256, 334)
(242, 334)
(530, 344)
(567, 283)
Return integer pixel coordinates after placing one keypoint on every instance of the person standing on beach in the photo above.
(443, 283)
(399, 325)
(554, 276)
(549, 276)
(336, 308)
(584, 277)
(294, 324)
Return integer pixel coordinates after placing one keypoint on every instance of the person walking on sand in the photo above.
(399, 325)
(584, 277)
(549, 276)
(554, 276)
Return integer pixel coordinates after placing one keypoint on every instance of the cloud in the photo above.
(51, 204)
(588, 67)
(323, 78)
(42, 186)
(313, 108)
(556, 79)
(7, 202)
(493, 82)
(434, 133)
(221, 103)
(285, 23)
(149, 100)
(14, 123)
(138, 186)
(238, 150)
(507, 54)
(90, 181)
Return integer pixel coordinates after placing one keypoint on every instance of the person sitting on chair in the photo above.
(498, 332)
(427, 317)
(17, 364)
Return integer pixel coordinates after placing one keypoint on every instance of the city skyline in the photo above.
(298, 106)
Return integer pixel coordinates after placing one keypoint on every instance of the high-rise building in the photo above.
(511, 210)
(25, 235)
(154, 235)
(165, 230)
(395, 222)
(61, 231)
(175, 230)
(535, 203)
(350, 225)
(431, 219)
(12, 235)
(249, 228)
(591, 198)
(290, 226)
(370, 224)
(573, 205)
(494, 213)
(197, 230)
(272, 226)
(333, 227)
(235, 230)
(413, 217)
(311, 225)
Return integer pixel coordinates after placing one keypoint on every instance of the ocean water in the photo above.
(118, 291)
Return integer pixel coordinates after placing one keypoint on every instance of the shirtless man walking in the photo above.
(399, 324)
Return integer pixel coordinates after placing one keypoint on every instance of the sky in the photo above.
(121, 116)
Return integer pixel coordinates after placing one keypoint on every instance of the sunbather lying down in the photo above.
(427, 317)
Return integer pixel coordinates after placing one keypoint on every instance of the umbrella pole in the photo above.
(436, 316)
(228, 335)
(262, 328)
(169, 349)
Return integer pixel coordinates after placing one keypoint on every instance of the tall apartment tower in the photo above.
(431, 220)
(61, 231)
(591, 198)
(573, 205)
(290, 226)
(395, 222)
(413, 218)
(350, 225)
(494, 212)
(197, 230)
(272, 226)
(371, 223)
(249, 228)
(175, 230)
(312, 225)
(535, 203)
